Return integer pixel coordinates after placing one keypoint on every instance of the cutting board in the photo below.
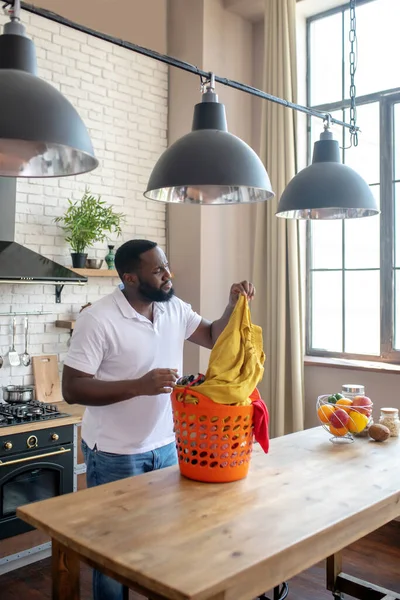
(47, 378)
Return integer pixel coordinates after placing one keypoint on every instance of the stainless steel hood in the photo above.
(19, 264)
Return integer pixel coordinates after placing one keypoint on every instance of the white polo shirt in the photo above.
(113, 342)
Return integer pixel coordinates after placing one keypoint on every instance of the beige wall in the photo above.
(142, 22)
(209, 247)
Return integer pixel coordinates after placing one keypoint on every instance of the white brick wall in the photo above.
(122, 98)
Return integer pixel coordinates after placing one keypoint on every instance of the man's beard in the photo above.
(153, 294)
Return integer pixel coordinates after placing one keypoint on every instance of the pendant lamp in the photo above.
(41, 133)
(209, 165)
(327, 189)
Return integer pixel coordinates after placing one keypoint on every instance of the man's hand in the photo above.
(157, 381)
(244, 288)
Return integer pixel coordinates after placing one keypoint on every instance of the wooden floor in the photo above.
(376, 558)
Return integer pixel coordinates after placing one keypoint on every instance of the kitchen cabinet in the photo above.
(34, 545)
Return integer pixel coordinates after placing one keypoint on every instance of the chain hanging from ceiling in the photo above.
(353, 68)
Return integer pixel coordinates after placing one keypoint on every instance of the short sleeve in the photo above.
(193, 320)
(88, 345)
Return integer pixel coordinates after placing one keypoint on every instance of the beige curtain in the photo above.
(277, 259)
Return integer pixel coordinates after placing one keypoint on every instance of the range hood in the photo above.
(19, 264)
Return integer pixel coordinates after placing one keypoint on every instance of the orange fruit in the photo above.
(325, 411)
(345, 403)
(338, 431)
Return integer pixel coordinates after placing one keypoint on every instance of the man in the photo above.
(125, 356)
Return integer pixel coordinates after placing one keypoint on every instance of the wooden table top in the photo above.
(305, 500)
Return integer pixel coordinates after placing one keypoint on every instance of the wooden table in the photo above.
(168, 537)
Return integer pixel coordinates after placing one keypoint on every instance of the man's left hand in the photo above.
(244, 288)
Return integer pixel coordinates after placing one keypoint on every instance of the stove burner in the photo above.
(13, 414)
(18, 407)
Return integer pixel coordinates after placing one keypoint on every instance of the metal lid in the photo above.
(353, 388)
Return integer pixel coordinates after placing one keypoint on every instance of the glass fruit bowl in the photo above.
(343, 417)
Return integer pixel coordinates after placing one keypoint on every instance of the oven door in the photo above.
(30, 477)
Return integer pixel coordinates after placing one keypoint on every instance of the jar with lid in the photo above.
(350, 391)
(390, 418)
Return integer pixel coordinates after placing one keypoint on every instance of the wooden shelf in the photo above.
(66, 324)
(96, 272)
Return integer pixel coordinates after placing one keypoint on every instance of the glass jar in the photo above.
(390, 418)
(350, 391)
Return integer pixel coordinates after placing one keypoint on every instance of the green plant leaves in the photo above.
(88, 221)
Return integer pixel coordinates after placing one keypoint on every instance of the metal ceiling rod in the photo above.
(180, 64)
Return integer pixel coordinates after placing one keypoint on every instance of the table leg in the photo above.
(340, 583)
(65, 573)
(333, 568)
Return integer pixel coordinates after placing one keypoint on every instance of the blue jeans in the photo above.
(103, 467)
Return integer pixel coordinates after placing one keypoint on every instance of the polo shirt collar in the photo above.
(127, 310)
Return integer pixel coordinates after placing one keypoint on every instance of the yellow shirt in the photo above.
(236, 362)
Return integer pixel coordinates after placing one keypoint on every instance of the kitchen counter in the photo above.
(169, 537)
(74, 410)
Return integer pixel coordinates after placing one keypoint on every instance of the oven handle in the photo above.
(21, 460)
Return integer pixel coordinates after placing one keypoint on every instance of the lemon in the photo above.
(357, 422)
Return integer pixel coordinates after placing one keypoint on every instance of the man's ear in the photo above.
(130, 279)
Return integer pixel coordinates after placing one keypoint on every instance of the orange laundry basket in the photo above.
(214, 441)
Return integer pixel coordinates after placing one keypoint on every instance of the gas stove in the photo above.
(25, 412)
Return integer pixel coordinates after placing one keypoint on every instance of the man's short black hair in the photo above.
(127, 257)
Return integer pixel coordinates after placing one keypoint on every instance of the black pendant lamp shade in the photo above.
(41, 133)
(327, 189)
(209, 165)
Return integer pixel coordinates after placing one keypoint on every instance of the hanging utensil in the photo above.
(26, 359)
(13, 355)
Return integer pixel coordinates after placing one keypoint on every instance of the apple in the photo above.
(339, 418)
(363, 405)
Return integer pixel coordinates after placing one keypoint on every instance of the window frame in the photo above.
(387, 100)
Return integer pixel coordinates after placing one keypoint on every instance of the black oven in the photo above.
(34, 466)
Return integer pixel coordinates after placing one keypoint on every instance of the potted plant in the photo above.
(87, 221)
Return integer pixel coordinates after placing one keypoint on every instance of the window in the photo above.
(353, 266)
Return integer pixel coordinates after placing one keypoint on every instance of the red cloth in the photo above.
(260, 424)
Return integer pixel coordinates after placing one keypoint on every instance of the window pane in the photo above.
(397, 141)
(326, 59)
(397, 224)
(362, 240)
(396, 343)
(327, 310)
(362, 312)
(378, 43)
(365, 158)
(326, 244)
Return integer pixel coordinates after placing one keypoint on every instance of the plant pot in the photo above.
(78, 260)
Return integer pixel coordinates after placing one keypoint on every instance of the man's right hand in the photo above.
(158, 381)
